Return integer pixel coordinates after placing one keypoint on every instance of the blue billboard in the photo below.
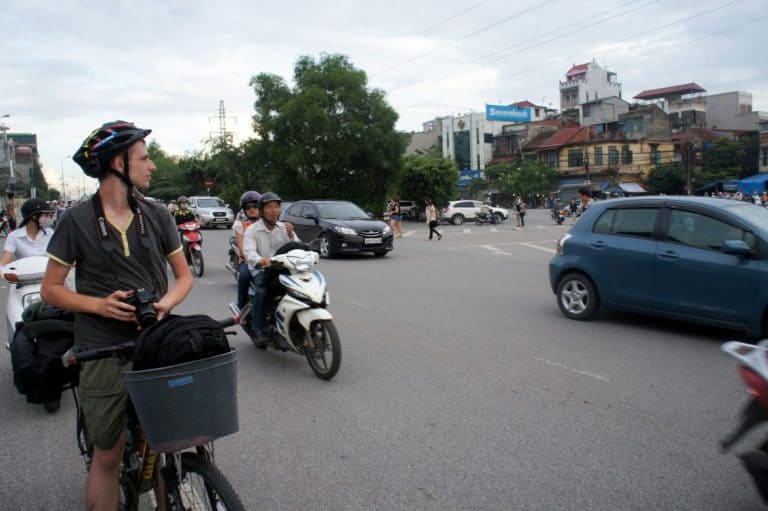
(465, 176)
(507, 113)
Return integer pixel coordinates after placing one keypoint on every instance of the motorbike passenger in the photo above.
(260, 242)
(33, 234)
(119, 244)
(249, 214)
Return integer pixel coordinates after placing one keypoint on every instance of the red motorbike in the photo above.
(192, 245)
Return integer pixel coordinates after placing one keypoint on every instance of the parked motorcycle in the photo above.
(754, 372)
(297, 317)
(233, 259)
(192, 246)
(26, 277)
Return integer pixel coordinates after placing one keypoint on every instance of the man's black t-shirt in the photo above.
(125, 262)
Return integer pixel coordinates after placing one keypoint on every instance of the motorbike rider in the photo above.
(33, 234)
(184, 214)
(260, 242)
(118, 243)
(249, 214)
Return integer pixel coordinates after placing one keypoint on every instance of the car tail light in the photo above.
(756, 385)
(561, 243)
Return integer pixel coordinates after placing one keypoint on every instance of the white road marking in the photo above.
(495, 250)
(577, 371)
(545, 249)
(493, 229)
(466, 231)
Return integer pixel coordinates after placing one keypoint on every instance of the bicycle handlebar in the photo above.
(124, 350)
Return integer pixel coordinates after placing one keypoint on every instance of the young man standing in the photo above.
(117, 243)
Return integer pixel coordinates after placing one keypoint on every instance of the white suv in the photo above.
(212, 211)
(458, 211)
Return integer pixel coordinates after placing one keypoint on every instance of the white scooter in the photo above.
(26, 277)
(297, 317)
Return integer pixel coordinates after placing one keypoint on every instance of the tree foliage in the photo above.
(428, 176)
(525, 178)
(669, 179)
(328, 136)
(729, 159)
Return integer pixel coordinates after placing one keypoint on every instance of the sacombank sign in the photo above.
(507, 113)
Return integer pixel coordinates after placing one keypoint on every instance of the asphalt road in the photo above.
(461, 387)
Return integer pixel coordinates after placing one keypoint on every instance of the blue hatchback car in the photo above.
(695, 259)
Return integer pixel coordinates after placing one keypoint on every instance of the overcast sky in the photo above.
(67, 66)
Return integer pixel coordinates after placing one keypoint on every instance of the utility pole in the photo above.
(586, 166)
(688, 162)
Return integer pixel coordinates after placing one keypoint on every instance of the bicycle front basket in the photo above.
(188, 404)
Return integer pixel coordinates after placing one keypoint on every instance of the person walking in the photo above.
(10, 210)
(432, 219)
(396, 216)
(118, 243)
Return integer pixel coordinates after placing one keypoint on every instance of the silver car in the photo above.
(213, 212)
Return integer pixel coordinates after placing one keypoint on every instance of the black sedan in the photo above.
(341, 227)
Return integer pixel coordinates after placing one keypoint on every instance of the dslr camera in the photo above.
(145, 312)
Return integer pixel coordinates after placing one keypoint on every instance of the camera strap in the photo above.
(102, 230)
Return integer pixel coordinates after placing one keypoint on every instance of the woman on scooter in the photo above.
(249, 202)
(32, 236)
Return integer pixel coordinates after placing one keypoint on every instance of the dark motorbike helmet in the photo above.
(103, 144)
(34, 207)
(249, 197)
(269, 197)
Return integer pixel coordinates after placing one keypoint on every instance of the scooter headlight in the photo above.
(298, 294)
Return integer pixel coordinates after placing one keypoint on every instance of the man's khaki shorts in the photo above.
(104, 400)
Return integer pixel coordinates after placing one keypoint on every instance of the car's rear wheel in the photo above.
(577, 297)
(457, 219)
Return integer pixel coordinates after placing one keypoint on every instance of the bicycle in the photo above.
(192, 482)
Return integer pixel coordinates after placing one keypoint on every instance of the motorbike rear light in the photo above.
(756, 385)
(11, 277)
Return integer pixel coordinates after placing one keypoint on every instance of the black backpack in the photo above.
(178, 339)
(36, 358)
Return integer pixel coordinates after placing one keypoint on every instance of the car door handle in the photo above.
(597, 244)
(668, 255)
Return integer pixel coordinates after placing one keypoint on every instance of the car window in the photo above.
(210, 202)
(340, 210)
(463, 205)
(636, 222)
(293, 210)
(701, 231)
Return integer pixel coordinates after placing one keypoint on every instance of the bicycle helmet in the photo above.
(249, 197)
(269, 197)
(32, 207)
(103, 144)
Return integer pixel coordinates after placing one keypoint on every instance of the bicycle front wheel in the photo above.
(201, 487)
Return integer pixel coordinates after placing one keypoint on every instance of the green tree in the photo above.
(430, 176)
(329, 136)
(168, 178)
(669, 179)
(525, 178)
(720, 162)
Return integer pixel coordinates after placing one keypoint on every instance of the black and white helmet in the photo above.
(249, 197)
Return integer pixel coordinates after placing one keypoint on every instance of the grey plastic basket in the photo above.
(187, 404)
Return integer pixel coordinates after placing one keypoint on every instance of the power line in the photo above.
(456, 41)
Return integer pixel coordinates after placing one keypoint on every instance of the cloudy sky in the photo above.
(69, 65)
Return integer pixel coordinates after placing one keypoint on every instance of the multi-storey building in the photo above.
(685, 105)
(585, 83)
